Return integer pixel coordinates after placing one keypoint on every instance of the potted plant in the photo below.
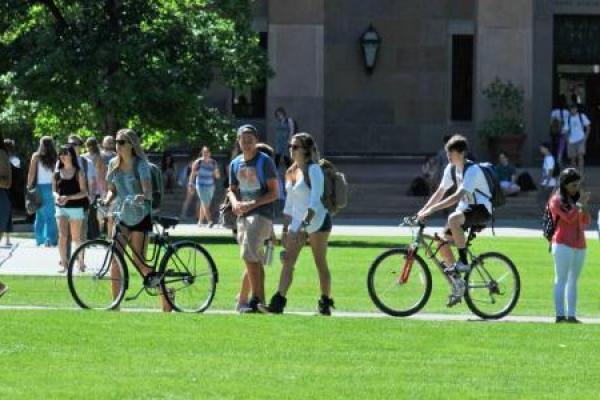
(504, 129)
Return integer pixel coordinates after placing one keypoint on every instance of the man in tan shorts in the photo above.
(253, 189)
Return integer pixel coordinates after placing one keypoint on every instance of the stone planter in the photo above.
(509, 144)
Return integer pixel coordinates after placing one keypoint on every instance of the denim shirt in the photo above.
(129, 184)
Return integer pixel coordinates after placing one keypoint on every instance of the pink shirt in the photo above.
(569, 229)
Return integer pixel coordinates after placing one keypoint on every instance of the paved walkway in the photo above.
(346, 314)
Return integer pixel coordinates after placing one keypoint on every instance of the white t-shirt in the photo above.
(474, 182)
(574, 127)
(547, 179)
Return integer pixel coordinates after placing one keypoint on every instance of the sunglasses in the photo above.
(63, 153)
(121, 142)
(293, 146)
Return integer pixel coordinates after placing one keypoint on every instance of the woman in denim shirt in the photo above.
(129, 176)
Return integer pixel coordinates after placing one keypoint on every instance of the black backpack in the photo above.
(525, 182)
(418, 187)
(497, 197)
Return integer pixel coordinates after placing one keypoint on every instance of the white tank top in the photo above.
(44, 175)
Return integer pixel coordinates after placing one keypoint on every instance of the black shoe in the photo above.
(560, 319)
(276, 305)
(573, 320)
(325, 305)
(251, 307)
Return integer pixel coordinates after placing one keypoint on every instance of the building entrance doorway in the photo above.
(577, 71)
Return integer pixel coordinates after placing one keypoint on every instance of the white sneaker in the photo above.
(458, 267)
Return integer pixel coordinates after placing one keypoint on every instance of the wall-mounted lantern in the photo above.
(370, 41)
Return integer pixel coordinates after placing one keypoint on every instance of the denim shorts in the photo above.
(205, 193)
(70, 213)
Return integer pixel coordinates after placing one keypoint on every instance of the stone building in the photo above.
(434, 59)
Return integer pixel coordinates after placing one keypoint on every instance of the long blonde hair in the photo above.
(136, 149)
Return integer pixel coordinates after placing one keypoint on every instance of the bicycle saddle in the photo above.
(167, 222)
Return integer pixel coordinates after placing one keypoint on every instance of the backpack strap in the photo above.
(307, 175)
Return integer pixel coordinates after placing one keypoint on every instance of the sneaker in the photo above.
(560, 319)
(251, 307)
(276, 305)
(458, 291)
(573, 320)
(325, 305)
(457, 267)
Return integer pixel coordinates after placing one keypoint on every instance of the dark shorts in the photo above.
(327, 225)
(475, 214)
(144, 225)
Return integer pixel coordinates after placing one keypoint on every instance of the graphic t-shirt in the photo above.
(251, 182)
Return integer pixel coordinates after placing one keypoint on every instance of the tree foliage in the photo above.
(96, 66)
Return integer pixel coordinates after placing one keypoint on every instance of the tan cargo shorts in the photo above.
(253, 230)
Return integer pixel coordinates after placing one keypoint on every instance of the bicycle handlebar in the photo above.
(412, 221)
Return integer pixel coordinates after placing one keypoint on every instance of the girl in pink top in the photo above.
(569, 208)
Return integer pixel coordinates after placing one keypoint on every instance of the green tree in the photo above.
(81, 65)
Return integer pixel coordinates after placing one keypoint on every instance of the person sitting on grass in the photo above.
(474, 208)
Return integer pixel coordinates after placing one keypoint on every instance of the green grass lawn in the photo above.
(81, 355)
(349, 260)
(110, 355)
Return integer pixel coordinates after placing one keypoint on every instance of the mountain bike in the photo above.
(183, 271)
(399, 280)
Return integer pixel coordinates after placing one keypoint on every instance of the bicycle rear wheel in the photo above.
(189, 277)
(493, 286)
(392, 294)
(94, 281)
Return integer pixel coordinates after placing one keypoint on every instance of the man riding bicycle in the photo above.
(474, 208)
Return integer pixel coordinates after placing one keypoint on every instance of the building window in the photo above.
(251, 103)
(462, 78)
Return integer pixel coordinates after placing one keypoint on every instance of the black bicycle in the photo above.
(399, 280)
(183, 271)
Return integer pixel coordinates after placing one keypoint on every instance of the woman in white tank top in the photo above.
(304, 215)
(41, 168)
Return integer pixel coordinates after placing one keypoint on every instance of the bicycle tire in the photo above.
(92, 288)
(181, 280)
(479, 278)
(379, 296)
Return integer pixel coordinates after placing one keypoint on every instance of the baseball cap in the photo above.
(247, 128)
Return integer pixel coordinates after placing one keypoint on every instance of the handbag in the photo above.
(33, 198)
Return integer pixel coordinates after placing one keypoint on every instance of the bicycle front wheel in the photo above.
(493, 286)
(97, 276)
(189, 277)
(399, 284)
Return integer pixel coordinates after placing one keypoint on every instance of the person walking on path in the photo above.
(129, 176)
(304, 215)
(205, 171)
(41, 171)
(253, 188)
(70, 194)
(578, 127)
(569, 209)
(549, 173)
(559, 129)
(5, 206)
(285, 127)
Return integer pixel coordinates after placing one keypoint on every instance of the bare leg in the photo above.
(318, 243)
(63, 235)
(293, 245)
(256, 276)
(75, 226)
(244, 294)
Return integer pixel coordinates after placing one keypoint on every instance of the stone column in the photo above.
(296, 43)
(504, 49)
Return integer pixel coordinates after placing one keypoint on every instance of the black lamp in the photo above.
(370, 42)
